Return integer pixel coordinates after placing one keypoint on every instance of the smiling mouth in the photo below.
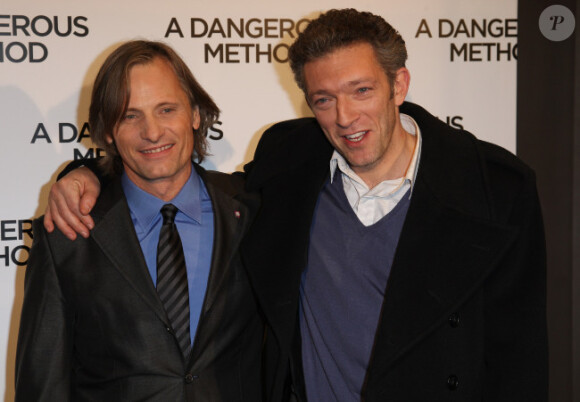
(157, 150)
(356, 137)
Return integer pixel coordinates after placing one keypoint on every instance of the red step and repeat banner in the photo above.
(462, 59)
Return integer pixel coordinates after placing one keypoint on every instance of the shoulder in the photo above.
(474, 174)
(500, 159)
(288, 130)
(461, 145)
(288, 126)
(48, 248)
(222, 186)
(510, 180)
(510, 184)
(287, 146)
(292, 139)
(229, 183)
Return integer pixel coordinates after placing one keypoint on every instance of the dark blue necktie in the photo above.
(172, 278)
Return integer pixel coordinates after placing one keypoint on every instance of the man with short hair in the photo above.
(395, 258)
(155, 305)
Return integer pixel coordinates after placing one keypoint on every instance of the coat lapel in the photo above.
(289, 177)
(443, 256)
(115, 234)
(448, 246)
(231, 216)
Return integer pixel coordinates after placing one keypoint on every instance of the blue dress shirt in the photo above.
(195, 224)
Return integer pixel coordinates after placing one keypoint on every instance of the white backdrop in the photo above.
(462, 58)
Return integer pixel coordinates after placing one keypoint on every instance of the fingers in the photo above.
(59, 213)
(48, 223)
(91, 189)
(69, 202)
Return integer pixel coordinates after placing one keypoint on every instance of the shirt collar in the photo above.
(145, 207)
(410, 125)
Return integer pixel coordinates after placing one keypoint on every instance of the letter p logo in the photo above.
(557, 23)
(557, 20)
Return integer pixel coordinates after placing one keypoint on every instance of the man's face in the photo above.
(350, 96)
(155, 137)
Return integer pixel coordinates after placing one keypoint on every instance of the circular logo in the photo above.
(557, 23)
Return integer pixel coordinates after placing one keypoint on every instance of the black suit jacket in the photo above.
(463, 317)
(94, 329)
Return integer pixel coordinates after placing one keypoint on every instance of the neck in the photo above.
(395, 162)
(164, 188)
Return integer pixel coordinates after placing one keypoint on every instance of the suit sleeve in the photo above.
(43, 357)
(274, 139)
(92, 164)
(516, 331)
(264, 139)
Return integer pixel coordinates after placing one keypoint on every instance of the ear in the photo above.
(109, 138)
(401, 85)
(196, 118)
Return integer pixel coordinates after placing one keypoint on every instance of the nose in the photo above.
(346, 113)
(152, 129)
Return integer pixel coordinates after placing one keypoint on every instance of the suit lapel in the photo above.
(230, 218)
(122, 248)
(115, 234)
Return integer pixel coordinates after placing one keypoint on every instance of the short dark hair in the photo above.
(111, 93)
(335, 29)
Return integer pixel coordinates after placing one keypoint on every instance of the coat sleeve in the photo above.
(516, 351)
(44, 351)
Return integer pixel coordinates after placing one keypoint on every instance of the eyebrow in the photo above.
(160, 104)
(348, 84)
(357, 82)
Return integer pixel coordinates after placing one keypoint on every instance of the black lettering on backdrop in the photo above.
(15, 230)
(233, 53)
(67, 132)
(479, 51)
(423, 29)
(476, 52)
(455, 121)
(269, 28)
(38, 26)
(18, 227)
(219, 134)
(243, 28)
(173, 28)
(91, 153)
(17, 256)
(43, 25)
(17, 52)
(495, 28)
(40, 133)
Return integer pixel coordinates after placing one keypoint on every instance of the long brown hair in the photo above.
(111, 93)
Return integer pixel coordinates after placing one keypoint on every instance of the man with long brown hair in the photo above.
(155, 305)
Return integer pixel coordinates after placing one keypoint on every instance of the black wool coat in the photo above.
(464, 316)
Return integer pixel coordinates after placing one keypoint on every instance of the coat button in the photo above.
(452, 382)
(189, 378)
(454, 320)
